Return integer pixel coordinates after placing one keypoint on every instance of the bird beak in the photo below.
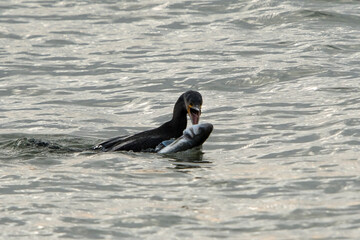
(194, 113)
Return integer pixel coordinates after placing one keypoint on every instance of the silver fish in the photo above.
(192, 137)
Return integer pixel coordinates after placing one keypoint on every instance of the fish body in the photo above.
(193, 136)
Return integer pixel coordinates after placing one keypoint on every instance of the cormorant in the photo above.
(188, 103)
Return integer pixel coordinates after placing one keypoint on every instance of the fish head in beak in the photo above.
(194, 113)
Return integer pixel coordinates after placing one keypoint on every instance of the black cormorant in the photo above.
(188, 103)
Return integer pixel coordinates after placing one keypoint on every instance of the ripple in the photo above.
(279, 82)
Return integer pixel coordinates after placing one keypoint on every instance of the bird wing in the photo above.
(108, 144)
(143, 143)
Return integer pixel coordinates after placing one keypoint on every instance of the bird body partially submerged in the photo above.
(189, 103)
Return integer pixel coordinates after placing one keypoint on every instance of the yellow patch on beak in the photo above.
(188, 108)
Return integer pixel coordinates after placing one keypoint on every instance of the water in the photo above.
(279, 81)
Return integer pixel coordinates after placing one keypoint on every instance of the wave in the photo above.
(21, 146)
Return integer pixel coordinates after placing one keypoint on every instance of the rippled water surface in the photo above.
(280, 83)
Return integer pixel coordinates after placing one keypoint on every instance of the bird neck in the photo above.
(179, 120)
(175, 127)
(179, 115)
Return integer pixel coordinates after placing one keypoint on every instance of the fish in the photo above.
(192, 137)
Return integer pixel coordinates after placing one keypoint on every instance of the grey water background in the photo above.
(280, 83)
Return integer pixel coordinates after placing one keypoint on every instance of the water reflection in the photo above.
(193, 158)
(180, 165)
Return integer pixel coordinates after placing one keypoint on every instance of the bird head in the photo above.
(193, 102)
